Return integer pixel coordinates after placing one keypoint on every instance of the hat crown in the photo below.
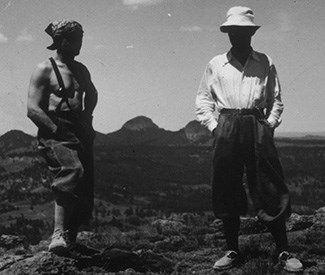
(240, 11)
(239, 16)
(62, 27)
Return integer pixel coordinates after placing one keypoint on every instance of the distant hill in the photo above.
(140, 130)
(15, 140)
(301, 135)
(143, 131)
(140, 123)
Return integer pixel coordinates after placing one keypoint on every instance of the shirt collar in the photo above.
(255, 56)
(229, 56)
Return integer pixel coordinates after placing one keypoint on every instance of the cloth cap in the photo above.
(60, 29)
(239, 16)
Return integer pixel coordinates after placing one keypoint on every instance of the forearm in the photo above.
(204, 110)
(41, 119)
(275, 116)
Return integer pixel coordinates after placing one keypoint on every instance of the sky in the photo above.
(146, 57)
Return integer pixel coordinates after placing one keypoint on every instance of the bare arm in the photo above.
(91, 95)
(38, 96)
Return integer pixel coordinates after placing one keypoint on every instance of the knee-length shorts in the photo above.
(70, 161)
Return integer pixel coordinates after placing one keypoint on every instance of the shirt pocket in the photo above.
(258, 88)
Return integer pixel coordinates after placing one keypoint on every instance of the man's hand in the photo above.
(267, 124)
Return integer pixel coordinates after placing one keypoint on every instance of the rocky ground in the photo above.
(177, 245)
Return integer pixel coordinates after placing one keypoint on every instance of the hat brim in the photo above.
(52, 47)
(227, 28)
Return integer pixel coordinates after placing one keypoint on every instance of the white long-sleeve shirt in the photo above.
(227, 84)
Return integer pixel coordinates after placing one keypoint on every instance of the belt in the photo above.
(255, 112)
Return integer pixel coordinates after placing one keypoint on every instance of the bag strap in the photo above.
(62, 89)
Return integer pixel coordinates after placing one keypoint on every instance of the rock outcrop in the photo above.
(178, 245)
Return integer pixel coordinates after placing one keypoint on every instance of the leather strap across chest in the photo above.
(62, 90)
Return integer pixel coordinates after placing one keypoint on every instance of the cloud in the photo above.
(213, 29)
(24, 36)
(136, 3)
(190, 29)
(3, 38)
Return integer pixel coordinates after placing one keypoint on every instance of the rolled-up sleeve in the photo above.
(274, 102)
(204, 103)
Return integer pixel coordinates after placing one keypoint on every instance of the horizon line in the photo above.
(277, 133)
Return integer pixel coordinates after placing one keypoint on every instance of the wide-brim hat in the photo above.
(239, 17)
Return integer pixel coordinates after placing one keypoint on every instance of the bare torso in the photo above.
(74, 83)
(44, 94)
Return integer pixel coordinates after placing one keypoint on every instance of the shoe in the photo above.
(227, 261)
(58, 243)
(290, 263)
(72, 235)
(72, 232)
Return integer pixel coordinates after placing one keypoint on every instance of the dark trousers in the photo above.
(245, 141)
(70, 159)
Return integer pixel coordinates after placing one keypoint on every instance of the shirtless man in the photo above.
(61, 100)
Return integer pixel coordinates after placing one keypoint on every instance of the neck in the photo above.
(66, 59)
(241, 53)
(242, 50)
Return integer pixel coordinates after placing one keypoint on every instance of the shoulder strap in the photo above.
(57, 73)
(61, 85)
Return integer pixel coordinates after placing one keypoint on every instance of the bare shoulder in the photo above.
(42, 70)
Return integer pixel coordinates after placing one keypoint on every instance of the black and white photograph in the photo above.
(162, 137)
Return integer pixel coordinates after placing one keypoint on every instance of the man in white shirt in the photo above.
(243, 87)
